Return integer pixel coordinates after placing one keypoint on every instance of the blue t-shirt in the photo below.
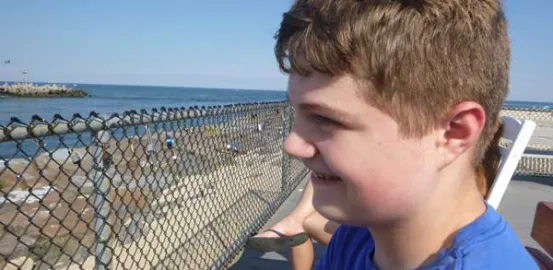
(487, 243)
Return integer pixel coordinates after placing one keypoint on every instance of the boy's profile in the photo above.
(396, 103)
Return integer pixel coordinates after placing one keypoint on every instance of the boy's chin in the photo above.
(339, 215)
(352, 217)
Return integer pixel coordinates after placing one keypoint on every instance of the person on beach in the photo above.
(170, 142)
(396, 104)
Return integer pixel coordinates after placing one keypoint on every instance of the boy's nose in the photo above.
(296, 146)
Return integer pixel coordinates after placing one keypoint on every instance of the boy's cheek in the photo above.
(380, 204)
(379, 191)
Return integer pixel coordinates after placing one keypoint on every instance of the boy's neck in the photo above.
(415, 242)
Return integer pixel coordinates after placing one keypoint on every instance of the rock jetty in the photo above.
(34, 90)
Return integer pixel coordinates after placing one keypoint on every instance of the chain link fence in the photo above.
(538, 158)
(170, 189)
(178, 188)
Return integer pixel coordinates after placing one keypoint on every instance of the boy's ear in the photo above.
(461, 128)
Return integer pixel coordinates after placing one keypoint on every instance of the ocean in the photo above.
(108, 99)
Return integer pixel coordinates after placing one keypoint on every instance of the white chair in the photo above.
(518, 132)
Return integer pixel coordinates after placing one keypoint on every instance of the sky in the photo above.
(222, 44)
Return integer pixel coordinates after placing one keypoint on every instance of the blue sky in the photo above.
(227, 44)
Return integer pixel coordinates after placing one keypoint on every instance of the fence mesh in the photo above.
(178, 188)
(169, 189)
(542, 139)
(538, 158)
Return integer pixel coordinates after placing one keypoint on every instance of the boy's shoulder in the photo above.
(487, 243)
(349, 248)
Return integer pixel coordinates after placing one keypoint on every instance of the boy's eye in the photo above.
(323, 121)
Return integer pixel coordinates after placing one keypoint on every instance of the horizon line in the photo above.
(215, 88)
(150, 85)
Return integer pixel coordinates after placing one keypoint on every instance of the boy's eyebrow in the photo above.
(308, 106)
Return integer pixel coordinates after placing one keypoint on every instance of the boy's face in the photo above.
(373, 174)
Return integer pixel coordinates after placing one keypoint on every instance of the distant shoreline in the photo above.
(75, 93)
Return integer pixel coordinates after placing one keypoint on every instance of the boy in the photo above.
(396, 103)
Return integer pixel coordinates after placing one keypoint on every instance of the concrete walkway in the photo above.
(518, 207)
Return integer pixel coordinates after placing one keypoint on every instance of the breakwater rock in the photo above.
(33, 90)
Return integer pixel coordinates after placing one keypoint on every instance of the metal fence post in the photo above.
(102, 230)
(286, 123)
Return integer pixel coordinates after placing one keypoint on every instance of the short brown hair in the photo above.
(418, 58)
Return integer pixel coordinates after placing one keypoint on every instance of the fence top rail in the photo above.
(39, 127)
(531, 109)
